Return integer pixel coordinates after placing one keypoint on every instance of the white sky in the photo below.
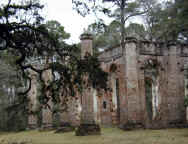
(61, 10)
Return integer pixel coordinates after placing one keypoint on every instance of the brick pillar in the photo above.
(32, 95)
(176, 93)
(87, 114)
(172, 85)
(47, 117)
(181, 82)
(88, 124)
(86, 44)
(133, 97)
(46, 112)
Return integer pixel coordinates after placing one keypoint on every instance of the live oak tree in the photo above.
(24, 34)
(21, 34)
(16, 36)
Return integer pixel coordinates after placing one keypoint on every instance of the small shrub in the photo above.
(88, 129)
(131, 126)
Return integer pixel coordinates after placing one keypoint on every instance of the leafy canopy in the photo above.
(24, 34)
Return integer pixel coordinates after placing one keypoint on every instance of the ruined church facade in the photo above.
(148, 82)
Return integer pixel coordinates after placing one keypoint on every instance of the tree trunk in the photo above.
(122, 7)
(187, 114)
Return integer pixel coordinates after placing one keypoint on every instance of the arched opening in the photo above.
(148, 92)
(151, 76)
(116, 97)
(152, 95)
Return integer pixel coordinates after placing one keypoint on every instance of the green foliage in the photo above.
(131, 9)
(110, 35)
(73, 76)
(105, 35)
(56, 30)
(162, 16)
(181, 8)
(158, 17)
(186, 101)
(97, 77)
(136, 30)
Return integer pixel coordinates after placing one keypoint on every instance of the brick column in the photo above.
(172, 85)
(88, 124)
(87, 115)
(46, 112)
(132, 81)
(86, 44)
(32, 95)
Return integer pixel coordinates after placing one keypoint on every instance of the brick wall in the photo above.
(171, 59)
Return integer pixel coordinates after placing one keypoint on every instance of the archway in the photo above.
(148, 92)
(152, 95)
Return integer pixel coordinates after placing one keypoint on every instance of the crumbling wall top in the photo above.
(86, 36)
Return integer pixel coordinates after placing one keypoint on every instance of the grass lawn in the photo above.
(108, 136)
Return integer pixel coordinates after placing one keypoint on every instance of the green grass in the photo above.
(108, 136)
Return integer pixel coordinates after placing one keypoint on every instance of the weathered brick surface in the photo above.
(32, 96)
(171, 59)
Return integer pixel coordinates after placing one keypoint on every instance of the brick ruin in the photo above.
(148, 81)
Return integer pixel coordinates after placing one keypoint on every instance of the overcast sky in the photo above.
(61, 10)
